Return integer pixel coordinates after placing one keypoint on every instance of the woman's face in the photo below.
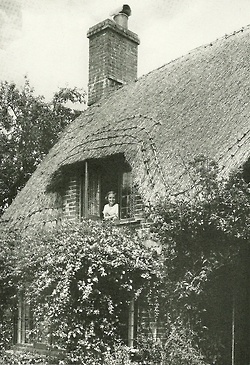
(111, 199)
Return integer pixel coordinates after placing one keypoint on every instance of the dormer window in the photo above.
(98, 177)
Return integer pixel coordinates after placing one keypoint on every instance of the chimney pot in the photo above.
(120, 15)
(121, 19)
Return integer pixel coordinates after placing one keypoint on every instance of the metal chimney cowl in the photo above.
(121, 19)
(121, 14)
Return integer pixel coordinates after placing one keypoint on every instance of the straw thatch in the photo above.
(197, 104)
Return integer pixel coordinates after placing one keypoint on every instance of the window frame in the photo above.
(24, 321)
(122, 168)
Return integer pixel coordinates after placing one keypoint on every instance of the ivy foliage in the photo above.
(80, 280)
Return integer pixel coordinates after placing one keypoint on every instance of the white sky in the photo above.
(46, 39)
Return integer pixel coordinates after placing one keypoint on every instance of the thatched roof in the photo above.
(197, 104)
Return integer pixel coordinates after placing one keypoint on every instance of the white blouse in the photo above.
(110, 212)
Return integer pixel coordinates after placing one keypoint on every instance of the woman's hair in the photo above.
(108, 193)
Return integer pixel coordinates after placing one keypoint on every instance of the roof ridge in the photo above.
(198, 48)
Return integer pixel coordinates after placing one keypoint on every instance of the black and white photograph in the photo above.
(125, 182)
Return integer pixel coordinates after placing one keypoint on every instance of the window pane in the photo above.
(126, 196)
(131, 203)
(24, 321)
(93, 193)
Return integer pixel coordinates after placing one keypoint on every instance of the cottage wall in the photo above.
(71, 198)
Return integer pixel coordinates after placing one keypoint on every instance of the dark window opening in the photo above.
(227, 298)
(246, 171)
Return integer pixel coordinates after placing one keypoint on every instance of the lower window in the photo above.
(24, 321)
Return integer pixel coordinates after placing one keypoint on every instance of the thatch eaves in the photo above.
(197, 104)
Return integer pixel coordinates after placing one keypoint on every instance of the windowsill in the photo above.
(126, 221)
(118, 222)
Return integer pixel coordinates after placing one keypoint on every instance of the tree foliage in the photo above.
(8, 286)
(29, 127)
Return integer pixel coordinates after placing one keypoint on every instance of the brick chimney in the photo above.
(112, 55)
